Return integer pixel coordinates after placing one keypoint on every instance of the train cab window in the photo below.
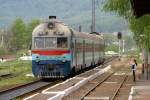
(50, 42)
(38, 42)
(62, 42)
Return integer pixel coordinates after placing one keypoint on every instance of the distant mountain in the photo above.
(72, 12)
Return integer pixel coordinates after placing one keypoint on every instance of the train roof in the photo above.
(88, 35)
(61, 29)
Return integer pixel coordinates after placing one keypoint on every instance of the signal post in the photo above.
(119, 36)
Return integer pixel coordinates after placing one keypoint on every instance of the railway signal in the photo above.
(119, 36)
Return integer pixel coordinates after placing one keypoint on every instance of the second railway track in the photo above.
(90, 91)
(108, 86)
(25, 89)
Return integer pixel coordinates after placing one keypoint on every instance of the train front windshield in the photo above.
(50, 42)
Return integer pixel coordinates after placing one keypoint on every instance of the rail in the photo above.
(25, 89)
(97, 85)
(117, 91)
(22, 90)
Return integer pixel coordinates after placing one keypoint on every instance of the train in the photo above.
(59, 51)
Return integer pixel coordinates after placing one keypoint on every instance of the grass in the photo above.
(17, 68)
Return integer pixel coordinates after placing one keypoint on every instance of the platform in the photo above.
(141, 88)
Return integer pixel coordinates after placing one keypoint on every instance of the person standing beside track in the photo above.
(133, 67)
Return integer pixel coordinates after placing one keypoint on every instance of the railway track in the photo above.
(30, 88)
(118, 89)
(6, 76)
(112, 96)
(98, 84)
(105, 87)
(25, 89)
(85, 93)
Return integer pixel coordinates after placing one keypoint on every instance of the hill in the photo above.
(72, 12)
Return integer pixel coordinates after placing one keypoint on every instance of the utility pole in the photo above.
(123, 46)
(93, 16)
(119, 49)
(80, 28)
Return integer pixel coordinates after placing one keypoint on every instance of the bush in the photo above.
(112, 48)
(3, 51)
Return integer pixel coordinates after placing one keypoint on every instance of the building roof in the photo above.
(141, 7)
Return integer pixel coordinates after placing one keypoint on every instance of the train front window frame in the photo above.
(39, 42)
(62, 42)
(50, 42)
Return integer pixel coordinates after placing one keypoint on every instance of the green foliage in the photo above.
(18, 69)
(31, 25)
(22, 34)
(3, 51)
(112, 47)
(111, 40)
(122, 7)
(18, 29)
(129, 42)
(140, 26)
(72, 12)
(147, 37)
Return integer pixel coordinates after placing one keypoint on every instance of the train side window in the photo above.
(62, 42)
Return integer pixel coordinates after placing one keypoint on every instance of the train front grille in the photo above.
(51, 74)
(50, 71)
(47, 67)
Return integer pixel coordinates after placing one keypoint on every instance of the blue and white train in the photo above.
(58, 51)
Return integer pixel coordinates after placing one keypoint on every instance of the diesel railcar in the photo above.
(58, 51)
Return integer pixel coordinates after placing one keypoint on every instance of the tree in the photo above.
(147, 37)
(121, 7)
(18, 29)
(112, 47)
(31, 25)
(138, 26)
(22, 34)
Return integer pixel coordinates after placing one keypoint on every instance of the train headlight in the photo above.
(64, 59)
(37, 59)
(51, 25)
